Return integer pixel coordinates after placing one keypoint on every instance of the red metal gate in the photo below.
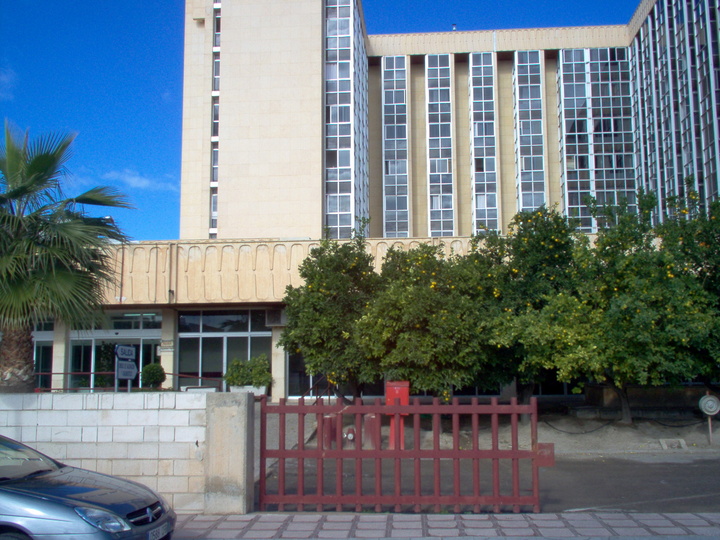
(420, 456)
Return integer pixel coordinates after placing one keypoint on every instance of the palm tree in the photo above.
(54, 258)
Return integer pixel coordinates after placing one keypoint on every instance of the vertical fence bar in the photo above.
(416, 460)
(281, 446)
(358, 456)
(495, 455)
(456, 447)
(515, 448)
(534, 446)
(378, 460)
(320, 490)
(263, 447)
(301, 460)
(339, 460)
(436, 453)
(475, 459)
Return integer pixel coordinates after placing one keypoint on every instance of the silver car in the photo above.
(41, 498)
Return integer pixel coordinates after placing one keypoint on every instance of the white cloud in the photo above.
(136, 181)
(7, 84)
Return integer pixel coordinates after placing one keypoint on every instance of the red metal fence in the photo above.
(421, 456)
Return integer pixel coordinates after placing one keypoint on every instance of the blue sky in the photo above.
(111, 71)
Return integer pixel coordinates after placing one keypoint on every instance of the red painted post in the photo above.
(301, 460)
(397, 393)
(263, 445)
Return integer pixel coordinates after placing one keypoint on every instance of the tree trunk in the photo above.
(16, 360)
(524, 392)
(622, 395)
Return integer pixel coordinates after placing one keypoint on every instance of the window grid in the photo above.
(597, 132)
(440, 158)
(215, 122)
(339, 119)
(360, 97)
(529, 144)
(482, 110)
(677, 72)
(396, 219)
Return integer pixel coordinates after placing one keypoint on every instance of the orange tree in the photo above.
(339, 280)
(637, 317)
(523, 271)
(425, 328)
(692, 234)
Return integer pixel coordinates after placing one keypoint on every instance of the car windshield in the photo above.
(19, 461)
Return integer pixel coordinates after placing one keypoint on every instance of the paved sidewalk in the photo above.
(588, 525)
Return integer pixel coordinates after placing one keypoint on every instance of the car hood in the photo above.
(80, 487)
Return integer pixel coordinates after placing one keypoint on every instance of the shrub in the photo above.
(153, 375)
(253, 372)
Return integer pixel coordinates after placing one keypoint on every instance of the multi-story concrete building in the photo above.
(296, 125)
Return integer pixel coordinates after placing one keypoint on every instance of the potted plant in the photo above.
(249, 375)
(152, 376)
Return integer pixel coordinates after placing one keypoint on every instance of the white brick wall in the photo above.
(158, 439)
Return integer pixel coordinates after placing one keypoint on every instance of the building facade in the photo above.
(297, 125)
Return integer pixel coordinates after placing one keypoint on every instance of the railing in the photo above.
(465, 457)
(213, 382)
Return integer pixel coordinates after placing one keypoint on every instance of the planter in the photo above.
(255, 390)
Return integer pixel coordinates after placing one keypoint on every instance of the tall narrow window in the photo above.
(215, 169)
(216, 71)
(439, 123)
(215, 131)
(529, 136)
(396, 218)
(216, 27)
(346, 176)
(596, 130)
(482, 106)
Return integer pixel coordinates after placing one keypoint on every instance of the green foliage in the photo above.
(253, 372)
(153, 375)
(339, 281)
(692, 235)
(54, 260)
(421, 327)
(638, 315)
(638, 305)
(519, 274)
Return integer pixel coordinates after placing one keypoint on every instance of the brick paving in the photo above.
(590, 525)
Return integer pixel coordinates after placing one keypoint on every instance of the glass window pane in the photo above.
(188, 361)
(80, 364)
(237, 349)
(189, 321)
(212, 358)
(258, 321)
(225, 321)
(261, 345)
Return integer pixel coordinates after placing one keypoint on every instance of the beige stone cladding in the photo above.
(499, 40)
(224, 271)
(270, 121)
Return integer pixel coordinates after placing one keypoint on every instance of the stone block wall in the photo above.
(163, 440)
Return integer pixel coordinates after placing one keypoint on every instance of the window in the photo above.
(209, 340)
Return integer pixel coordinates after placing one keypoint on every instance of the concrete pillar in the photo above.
(229, 472)
(60, 355)
(168, 342)
(278, 367)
